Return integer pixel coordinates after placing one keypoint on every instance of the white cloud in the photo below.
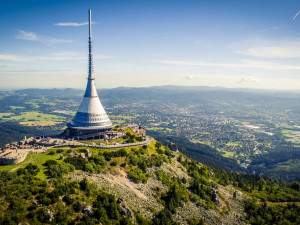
(12, 58)
(53, 41)
(190, 77)
(288, 51)
(72, 24)
(263, 48)
(267, 65)
(56, 56)
(27, 35)
(31, 36)
(246, 80)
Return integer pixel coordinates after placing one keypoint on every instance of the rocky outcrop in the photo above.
(89, 210)
(125, 211)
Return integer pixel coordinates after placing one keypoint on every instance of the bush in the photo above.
(106, 208)
(159, 151)
(174, 197)
(86, 186)
(45, 201)
(50, 162)
(61, 218)
(78, 162)
(42, 215)
(68, 200)
(158, 144)
(59, 150)
(164, 178)
(77, 207)
(114, 163)
(164, 217)
(98, 162)
(169, 153)
(119, 153)
(138, 175)
(88, 168)
(30, 169)
(55, 171)
(139, 139)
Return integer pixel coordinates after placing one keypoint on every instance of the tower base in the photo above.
(74, 132)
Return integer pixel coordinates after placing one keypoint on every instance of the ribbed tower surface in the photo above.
(91, 114)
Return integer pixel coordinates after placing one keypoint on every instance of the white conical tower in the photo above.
(91, 114)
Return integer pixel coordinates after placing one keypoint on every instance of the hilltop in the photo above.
(147, 184)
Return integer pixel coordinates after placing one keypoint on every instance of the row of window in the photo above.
(91, 124)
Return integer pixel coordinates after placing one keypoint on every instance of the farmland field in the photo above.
(33, 118)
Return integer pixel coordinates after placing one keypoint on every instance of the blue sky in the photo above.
(250, 44)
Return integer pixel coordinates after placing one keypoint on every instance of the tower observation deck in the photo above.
(91, 116)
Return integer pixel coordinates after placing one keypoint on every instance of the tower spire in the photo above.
(90, 47)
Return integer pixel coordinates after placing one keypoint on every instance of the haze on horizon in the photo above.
(235, 44)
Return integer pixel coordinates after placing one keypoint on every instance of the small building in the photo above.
(138, 129)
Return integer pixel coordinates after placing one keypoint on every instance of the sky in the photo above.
(141, 43)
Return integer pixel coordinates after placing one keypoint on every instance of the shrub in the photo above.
(30, 169)
(77, 207)
(98, 162)
(59, 170)
(68, 200)
(42, 215)
(50, 162)
(106, 208)
(169, 153)
(119, 153)
(88, 168)
(78, 162)
(139, 139)
(138, 175)
(59, 150)
(158, 144)
(114, 163)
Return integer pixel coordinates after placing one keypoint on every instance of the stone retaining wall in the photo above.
(13, 160)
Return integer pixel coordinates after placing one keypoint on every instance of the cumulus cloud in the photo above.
(31, 36)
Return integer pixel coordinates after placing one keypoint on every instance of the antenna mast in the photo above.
(90, 47)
